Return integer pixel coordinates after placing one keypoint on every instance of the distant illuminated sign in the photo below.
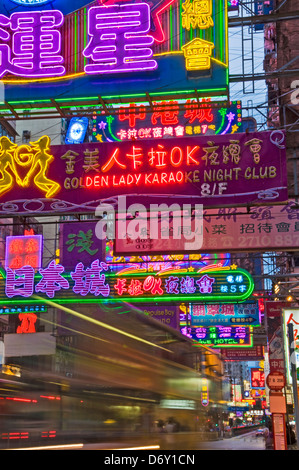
(244, 314)
(219, 336)
(96, 284)
(77, 130)
(257, 378)
(23, 250)
(22, 309)
(204, 393)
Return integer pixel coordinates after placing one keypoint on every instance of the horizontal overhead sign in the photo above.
(95, 283)
(256, 353)
(219, 336)
(264, 228)
(216, 336)
(217, 170)
(245, 314)
(189, 120)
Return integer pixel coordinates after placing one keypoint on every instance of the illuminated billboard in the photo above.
(217, 336)
(245, 314)
(191, 119)
(107, 51)
(97, 283)
(23, 250)
(290, 315)
(213, 171)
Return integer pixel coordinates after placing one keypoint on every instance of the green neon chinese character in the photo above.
(82, 240)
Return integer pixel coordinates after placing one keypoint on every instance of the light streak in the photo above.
(99, 323)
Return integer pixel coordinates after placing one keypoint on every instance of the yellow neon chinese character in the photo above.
(198, 54)
(197, 14)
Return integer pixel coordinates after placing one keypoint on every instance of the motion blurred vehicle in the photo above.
(108, 379)
(260, 432)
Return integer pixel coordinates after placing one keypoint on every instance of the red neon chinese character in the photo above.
(198, 310)
(27, 323)
(16, 246)
(156, 157)
(193, 112)
(16, 263)
(135, 287)
(31, 260)
(112, 161)
(120, 286)
(136, 153)
(31, 245)
(132, 115)
(227, 309)
(212, 309)
(167, 116)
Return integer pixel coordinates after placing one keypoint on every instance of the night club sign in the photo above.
(96, 283)
(214, 171)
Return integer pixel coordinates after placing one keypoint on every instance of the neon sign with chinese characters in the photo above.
(96, 283)
(215, 336)
(211, 170)
(219, 336)
(133, 123)
(152, 39)
(245, 314)
(23, 250)
(257, 378)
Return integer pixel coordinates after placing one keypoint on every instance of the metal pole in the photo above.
(294, 377)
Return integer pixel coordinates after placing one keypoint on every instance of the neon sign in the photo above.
(245, 314)
(96, 283)
(205, 393)
(219, 336)
(209, 170)
(215, 336)
(118, 39)
(36, 44)
(115, 38)
(23, 250)
(23, 309)
(257, 378)
(133, 123)
(27, 325)
(76, 131)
